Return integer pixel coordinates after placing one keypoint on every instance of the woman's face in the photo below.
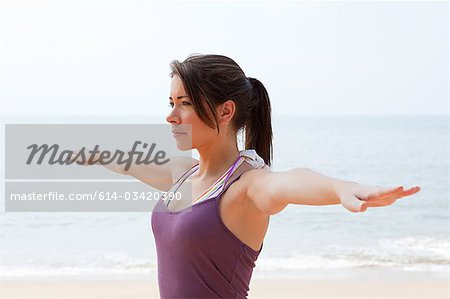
(183, 113)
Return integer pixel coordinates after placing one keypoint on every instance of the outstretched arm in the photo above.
(159, 176)
(271, 192)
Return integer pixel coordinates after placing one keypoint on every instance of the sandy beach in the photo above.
(260, 288)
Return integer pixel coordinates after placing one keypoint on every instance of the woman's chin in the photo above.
(182, 146)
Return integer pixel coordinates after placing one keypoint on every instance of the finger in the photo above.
(386, 201)
(410, 191)
(391, 191)
(416, 189)
(400, 194)
(407, 192)
(363, 207)
(385, 192)
(382, 202)
(377, 204)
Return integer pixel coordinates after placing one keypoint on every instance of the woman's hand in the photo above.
(76, 158)
(361, 197)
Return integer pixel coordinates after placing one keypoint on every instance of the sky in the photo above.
(315, 58)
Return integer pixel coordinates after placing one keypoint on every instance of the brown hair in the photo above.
(214, 79)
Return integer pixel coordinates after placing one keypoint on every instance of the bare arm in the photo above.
(271, 191)
(307, 187)
(158, 176)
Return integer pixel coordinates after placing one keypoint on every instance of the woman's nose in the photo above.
(172, 118)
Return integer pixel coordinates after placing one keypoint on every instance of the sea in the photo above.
(409, 237)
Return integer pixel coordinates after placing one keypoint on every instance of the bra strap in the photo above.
(178, 183)
(243, 167)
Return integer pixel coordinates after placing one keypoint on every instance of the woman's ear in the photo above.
(226, 111)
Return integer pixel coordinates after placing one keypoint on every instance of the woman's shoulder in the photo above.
(252, 172)
(247, 181)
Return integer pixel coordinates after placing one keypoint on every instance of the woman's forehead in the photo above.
(176, 86)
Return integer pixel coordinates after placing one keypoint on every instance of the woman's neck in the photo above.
(215, 159)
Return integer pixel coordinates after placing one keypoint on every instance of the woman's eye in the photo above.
(184, 103)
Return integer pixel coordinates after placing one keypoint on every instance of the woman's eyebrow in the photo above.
(180, 97)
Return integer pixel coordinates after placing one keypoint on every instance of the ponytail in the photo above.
(258, 129)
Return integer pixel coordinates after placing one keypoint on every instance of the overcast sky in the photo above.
(112, 58)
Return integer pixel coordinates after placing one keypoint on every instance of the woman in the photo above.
(209, 250)
(208, 242)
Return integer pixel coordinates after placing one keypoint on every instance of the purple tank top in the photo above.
(198, 256)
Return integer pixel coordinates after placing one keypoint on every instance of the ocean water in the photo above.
(410, 236)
